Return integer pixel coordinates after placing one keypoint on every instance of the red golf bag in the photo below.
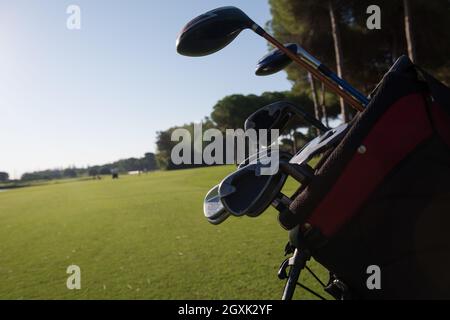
(382, 196)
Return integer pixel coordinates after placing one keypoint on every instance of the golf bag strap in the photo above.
(438, 91)
(440, 105)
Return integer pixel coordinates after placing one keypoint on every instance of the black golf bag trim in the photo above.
(382, 197)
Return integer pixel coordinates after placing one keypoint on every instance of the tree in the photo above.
(165, 146)
(323, 104)
(43, 175)
(431, 46)
(4, 177)
(232, 111)
(335, 30)
(105, 170)
(149, 162)
(317, 107)
(93, 171)
(408, 31)
(70, 173)
(316, 26)
(367, 54)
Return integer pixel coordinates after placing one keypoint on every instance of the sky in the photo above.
(99, 94)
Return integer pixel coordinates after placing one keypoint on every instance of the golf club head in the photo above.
(323, 142)
(247, 192)
(213, 209)
(278, 116)
(212, 31)
(275, 61)
(274, 116)
(262, 157)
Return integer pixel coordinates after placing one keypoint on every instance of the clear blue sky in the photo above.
(100, 94)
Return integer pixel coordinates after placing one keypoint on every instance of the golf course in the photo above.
(139, 237)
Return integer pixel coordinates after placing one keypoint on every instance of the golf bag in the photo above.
(382, 196)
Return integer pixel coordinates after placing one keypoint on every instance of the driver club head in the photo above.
(212, 31)
(213, 209)
(275, 61)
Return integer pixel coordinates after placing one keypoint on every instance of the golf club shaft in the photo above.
(315, 122)
(319, 66)
(332, 85)
(346, 86)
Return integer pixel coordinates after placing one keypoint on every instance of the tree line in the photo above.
(4, 177)
(146, 163)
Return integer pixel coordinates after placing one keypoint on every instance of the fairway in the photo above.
(140, 237)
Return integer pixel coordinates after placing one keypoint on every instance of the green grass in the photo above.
(23, 184)
(141, 237)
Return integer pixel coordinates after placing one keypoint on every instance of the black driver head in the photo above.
(275, 61)
(212, 31)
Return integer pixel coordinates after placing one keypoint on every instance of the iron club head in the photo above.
(213, 209)
(277, 116)
(247, 192)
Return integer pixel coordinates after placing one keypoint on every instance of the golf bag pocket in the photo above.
(382, 196)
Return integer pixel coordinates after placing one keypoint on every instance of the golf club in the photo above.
(319, 145)
(248, 192)
(276, 60)
(213, 208)
(277, 116)
(216, 29)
